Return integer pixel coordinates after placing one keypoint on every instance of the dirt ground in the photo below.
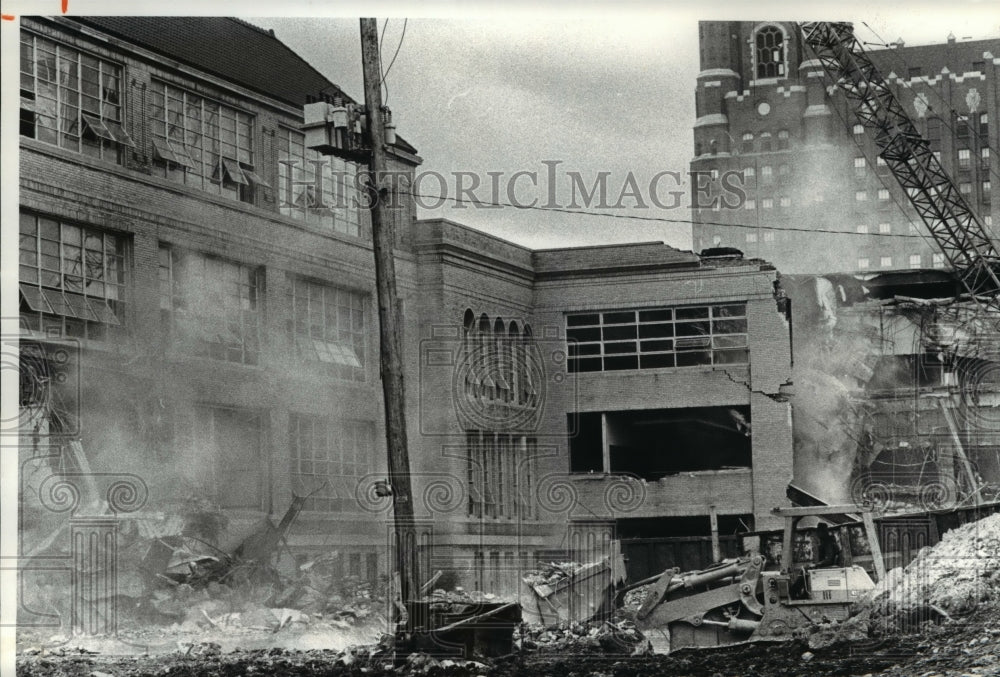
(964, 646)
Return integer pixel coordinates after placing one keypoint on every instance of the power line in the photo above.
(401, 36)
(653, 219)
(385, 73)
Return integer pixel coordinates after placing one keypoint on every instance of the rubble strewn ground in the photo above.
(958, 580)
(957, 573)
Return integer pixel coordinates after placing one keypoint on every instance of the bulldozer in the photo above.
(738, 600)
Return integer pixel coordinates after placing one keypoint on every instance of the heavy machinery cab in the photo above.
(737, 600)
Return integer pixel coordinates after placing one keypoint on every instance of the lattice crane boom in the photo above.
(955, 227)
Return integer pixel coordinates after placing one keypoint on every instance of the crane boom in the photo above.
(955, 227)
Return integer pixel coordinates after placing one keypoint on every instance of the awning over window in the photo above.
(55, 302)
(234, 171)
(255, 178)
(172, 152)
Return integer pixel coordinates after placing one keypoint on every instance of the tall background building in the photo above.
(766, 109)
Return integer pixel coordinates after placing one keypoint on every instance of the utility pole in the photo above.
(390, 326)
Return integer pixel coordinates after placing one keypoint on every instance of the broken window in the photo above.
(223, 446)
(655, 443)
(501, 475)
(71, 99)
(202, 143)
(211, 305)
(770, 52)
(657, 338)
(329, 457)
(315, 188)
(329, 324)
(72, 279)
(586, 442)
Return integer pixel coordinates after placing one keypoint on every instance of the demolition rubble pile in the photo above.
(613, 636)
(956, 574)
(553, 573)
(316, 596)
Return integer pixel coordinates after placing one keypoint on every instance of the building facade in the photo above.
(817, 197)
(198, 314)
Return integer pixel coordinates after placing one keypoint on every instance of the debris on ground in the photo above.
(951, 577)
(619, 637)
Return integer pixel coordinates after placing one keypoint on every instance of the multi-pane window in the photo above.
(885, 228)
(329, 457)
(770, 52)
(765, 141)
(861, 228)
(859, 166)
(863, 263)
(964, 158)
(886, 262)
(501, 475)
(225, 444)
(329, 325)
(783, 139)
(785, 201)
(883, 194)
(767, 203)
(71, 99)
(749, 173)
(937, 260)
(767, 172)
(768, 236)
(316, 188)
(784, 169)
(860, 196)
(211, 305)
(880, 162)
(984, 153)
(72, 278)
(914, 261)
(747, 142)
(750, 203)
(858, 130)
(965, 188)
(663, 337)
(751, 237)
(202, 143)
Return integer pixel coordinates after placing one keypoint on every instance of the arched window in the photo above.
(482, 358)
(528, 389)
(468, 348)
(765, 141)
(498, 360)
(747, 142)
(770, 52)
(514, 374)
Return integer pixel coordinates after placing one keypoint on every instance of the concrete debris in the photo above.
(956, 574)
(553, 573)
(611, 636)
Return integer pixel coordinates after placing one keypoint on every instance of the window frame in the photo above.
(88, 116)
(346, 358)
(658, 338)
(188, 317)
(203, 142)
(59, 288)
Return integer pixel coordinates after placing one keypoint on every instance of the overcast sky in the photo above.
(594, 86)
(596, 90)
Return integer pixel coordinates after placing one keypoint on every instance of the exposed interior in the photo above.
(655, 443)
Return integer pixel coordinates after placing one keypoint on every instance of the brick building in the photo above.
(219, 326)
(766, 109)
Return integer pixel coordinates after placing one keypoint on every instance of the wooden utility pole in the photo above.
(390, 327)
